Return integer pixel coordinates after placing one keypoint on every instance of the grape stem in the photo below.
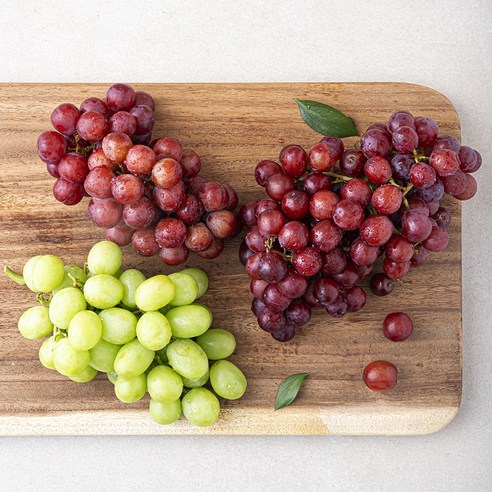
(407, 189)
(18, 279)
(42, 300)
(338, 176)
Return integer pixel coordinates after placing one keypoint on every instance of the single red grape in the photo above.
(358, 191)
(375, 142)
(395, 270)
(325, 236)
(144, 243)
(325, 290)
(174, 256)
(190, 162)
(446, 142)
(139, 214)
(352, 163)
(387, 199)
(213, 251)
(298, 313)
(455, 184)
(116, 146)
(120, 97)
(376, 230)
(293, 160)
(120, 234)
(293, 285)
(348, 215)
(95, 104)
(123, 122)
(247, 213)
(405, 139)
(470, 159)
(272, 267)
(64, 118)
(222, 224)
(337, 308)
(170, 147)
(144, 117)
(307, 261)
(106, 212)
(399, 249)
(169, 200)
(198, 237)
(362, 254)
(98, 182)
(427, 131)
(67, 192)
(397, 326)
(167, 173)
(92, 126)
(142, 97)
(170, 233)
(213, 196)
(140, 159)
(73, 167)
(334, 261)
(416, 226)
(381, 284)
(127, 188)
(356, 298)
(265, 169)
(399, 119)
(380, 375)
(51, 147)
(321, 157)
(278, 185)
(378, 169)
(470, 190)
(322, 204)
(348, 277)
(315, 182)
(295, 204)
(293, 236)
(444, 161)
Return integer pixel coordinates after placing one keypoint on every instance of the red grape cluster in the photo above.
(79, 133)
(322, 229)
(149, 194)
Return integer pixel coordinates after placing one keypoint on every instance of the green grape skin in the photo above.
(133, 359)
(130, 389)
(201, 279)
(187, 383)
(189, 321)
(43, 273)
(153, 330)
(187, 358)
(130, 280)
(76, 272)
(162, 354)
(201, 407)
(88, 374)
(217, 343)
(165, 413)
(104, 258)
(27, 272)
(35, 323)
(112, 376)
(103, 355)
(154, 293)
(186, 289)
(69, 361)
(103, 291)
(84, 330)
(227, 380)
(119, 326)
(164, 384)
(46, 353)
(64, 305)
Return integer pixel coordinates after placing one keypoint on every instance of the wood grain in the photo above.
(232, 127)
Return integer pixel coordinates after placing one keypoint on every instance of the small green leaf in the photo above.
(288, 389)
(326, 120)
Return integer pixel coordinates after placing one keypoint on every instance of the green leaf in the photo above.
(288, 389)
(326, 120)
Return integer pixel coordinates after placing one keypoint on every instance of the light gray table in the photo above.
(445, 45)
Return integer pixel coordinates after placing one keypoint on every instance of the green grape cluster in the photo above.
(148, 335)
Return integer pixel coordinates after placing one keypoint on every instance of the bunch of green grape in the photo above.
(147, 335)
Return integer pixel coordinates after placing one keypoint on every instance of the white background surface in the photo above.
(445, 45)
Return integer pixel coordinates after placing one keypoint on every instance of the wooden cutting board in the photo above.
(232, 127)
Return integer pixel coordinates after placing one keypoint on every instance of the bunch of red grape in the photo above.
(149, 194)
(80, 132)
(322, 229)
